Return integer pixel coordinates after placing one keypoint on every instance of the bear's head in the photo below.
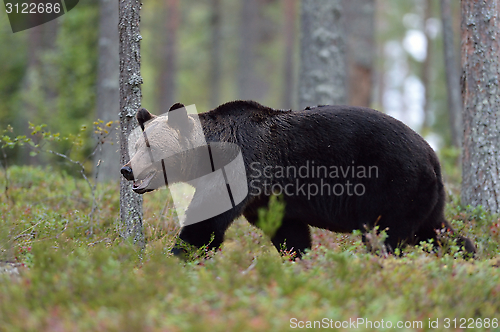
(161, 153)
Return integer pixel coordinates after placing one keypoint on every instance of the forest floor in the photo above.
(65, 269)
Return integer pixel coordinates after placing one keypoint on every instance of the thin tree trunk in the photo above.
(38, 94)
(288, 86)
(31, 78)
(249, 31)
(360, 31)
(130, 101)
(452, 76)
(427, 67)
(168, 75)
(106, 161)
(323, 70)
(215, 56)
(481, 96)
(379, 79)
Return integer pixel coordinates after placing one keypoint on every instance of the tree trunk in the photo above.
(215, 54)
(481, 96)
(248, 82)
(168, 75)
(427, 68)
(130, 101)
(379, 68)
(359, 18)
(323, 69)
(106, 160)
(288, 84)
(31, 78)
(452, 76)
(41, 38)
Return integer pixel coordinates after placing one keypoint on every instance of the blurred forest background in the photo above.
(213, 51)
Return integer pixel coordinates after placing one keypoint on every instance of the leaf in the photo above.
(33, 153)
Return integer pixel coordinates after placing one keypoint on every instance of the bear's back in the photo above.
(330, 129)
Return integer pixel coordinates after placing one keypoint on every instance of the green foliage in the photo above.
(375, 241)
(270, 218)
(451, 167)
(58, 86)
(68, 279)
(13, 61)
(75, 60)
(61, 90)
(72, 271)
(477, 223)
(43, 141)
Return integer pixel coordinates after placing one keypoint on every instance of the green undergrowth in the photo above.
(75, 272)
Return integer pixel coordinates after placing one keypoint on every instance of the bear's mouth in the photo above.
(141, 186)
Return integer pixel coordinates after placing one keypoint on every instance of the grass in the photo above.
(73, 280)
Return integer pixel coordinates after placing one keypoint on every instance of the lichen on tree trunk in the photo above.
(481, 96)
(130, 101)
(322, 77)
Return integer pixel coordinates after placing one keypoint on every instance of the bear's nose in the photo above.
(127, 173)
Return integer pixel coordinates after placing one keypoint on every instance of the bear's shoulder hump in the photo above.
(246, 107)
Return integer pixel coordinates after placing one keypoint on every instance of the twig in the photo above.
(7, 180)
(21, 234)
(248, 269)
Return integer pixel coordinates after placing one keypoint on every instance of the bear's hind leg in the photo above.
(293, 236)
(427, 232)
(398, 235)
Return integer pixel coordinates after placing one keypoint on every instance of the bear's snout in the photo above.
(127, 173)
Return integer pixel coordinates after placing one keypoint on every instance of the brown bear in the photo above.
(339, 168)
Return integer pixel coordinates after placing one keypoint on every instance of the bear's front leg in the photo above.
(293, 236)
(208, 233)
(202, 234)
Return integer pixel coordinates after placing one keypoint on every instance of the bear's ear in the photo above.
(143, 116)
(176, 106)
(178, 118)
